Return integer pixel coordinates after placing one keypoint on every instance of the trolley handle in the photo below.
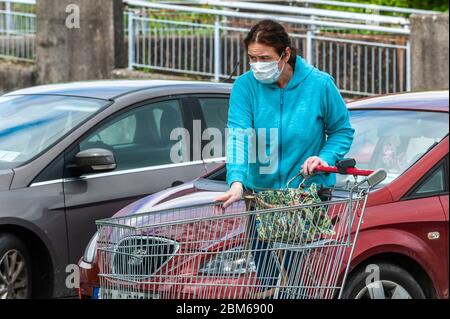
(349, 171)
(346, 166)
(373, 178)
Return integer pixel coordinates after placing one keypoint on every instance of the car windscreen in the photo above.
(393, 140)
(30, 124)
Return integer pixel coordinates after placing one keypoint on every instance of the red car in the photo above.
(405, 228)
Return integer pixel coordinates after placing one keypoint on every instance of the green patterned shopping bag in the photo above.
(298, 225)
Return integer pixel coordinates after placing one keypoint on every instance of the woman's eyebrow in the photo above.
(259, 56)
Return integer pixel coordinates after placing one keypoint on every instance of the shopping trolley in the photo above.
(208, 252)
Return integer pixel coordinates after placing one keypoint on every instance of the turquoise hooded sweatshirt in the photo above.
(272, 131)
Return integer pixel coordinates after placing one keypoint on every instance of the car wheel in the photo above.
(394, 283)
(15, 268)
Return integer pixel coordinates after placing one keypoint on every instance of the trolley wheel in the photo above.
(15, 268)
(394, 283)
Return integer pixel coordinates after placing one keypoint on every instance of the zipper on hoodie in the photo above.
(280, 148)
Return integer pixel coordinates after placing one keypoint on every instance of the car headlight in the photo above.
(91, 249)
(235, 261)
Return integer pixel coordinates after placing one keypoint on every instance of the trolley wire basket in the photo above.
(208, 252)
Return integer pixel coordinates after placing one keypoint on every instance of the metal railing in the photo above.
(368, 13)
(319, 14)
(374, 61)
(17, 30)
(309, 20)
(375, 8)
(360, 66)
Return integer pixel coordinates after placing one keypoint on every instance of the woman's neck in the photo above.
(285, 76)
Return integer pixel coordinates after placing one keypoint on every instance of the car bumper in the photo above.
(89, 282)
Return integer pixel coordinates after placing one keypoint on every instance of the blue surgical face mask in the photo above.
(267, 72)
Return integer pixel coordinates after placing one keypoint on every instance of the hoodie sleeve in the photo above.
(240, 124)
(337, 124)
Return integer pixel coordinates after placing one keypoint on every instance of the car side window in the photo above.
(53, 172)
(120, 132)
(215, 115)
(140, 137)
(435, 183)
(215, 112)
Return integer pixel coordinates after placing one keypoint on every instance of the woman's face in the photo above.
(258, 52)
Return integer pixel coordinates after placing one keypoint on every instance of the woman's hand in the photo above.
(311, 163)
(234, 194)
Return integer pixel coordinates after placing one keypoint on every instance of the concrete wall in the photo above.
(429, 52)
(15, 76)
(89, 52)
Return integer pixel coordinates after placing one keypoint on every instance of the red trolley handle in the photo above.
(349, 171)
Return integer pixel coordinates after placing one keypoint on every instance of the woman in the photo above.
(285, 117)
(293, 106)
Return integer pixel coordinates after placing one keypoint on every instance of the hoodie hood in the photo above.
(301, 72)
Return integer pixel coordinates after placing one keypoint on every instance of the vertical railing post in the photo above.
(9, 21)
(309, 44)
(408, 66)
(217, 50)
(131, 53)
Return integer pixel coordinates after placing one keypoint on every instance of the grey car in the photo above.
(74, 153)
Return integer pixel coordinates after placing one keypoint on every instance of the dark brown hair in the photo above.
(273, 34)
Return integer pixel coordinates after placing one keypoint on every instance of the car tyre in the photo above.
(15, 268)
(394, 283)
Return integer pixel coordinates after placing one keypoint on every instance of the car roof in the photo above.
(417, 101)
(109, 90)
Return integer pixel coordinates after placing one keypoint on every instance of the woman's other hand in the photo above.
(234, 194)
(311, 163)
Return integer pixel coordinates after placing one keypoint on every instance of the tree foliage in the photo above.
(436, 5)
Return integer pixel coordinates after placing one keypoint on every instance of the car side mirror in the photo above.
(95, 160)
